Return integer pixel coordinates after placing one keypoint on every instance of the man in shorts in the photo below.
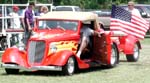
(86, 32)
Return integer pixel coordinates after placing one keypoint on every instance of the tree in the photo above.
(82, 3)
(88, 4)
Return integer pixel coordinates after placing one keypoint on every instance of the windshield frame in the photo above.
(38, 20)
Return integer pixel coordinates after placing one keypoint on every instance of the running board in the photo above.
(94, 63)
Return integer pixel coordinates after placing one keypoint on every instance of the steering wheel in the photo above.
(61, 28)
(47, 27)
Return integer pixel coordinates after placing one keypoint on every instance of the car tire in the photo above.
(135, 56)
(114, 56)
(69, 68)
(12, 71)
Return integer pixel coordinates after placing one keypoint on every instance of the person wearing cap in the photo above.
(15, 24)
(15, 20)
(29, 21)
(132, 9)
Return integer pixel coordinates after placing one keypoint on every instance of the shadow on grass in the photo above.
(93, 69)
(55, 73)
(82, 71)
(134, 64)
(123, 60)
(58, 73)
(35, 73)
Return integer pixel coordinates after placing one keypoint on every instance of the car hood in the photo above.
(54, 35)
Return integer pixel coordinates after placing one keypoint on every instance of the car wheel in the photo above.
(12, 71)
(69, 68)
(135, 56)
(114, 59)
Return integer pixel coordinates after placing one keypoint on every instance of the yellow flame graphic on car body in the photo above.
(65, 45)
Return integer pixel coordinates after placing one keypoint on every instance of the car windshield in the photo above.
(55, 24)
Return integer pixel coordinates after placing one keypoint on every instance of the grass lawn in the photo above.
(125, 72)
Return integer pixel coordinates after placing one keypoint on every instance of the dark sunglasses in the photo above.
(130, 5)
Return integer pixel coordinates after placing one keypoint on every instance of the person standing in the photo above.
(15, 20)
(43, 10)
(132, 9)
(15, 24)
(29, 21)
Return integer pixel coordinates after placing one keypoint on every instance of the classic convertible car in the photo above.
(55, 42)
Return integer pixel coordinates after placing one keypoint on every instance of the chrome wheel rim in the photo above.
(113, 56)
(136, 52)
(71, 65)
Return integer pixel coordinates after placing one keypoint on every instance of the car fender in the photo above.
(60, 59)
(13, 55)
(130, 42)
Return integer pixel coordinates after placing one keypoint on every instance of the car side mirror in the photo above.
(143, 14)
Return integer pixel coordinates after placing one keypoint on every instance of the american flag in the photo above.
(122, 20)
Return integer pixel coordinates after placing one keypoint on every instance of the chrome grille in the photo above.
(36, 51)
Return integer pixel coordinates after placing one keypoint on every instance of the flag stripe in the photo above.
(117, 27)
(140, 21)
(122, 20)
(126, 31)
(140, 25)
(128, 26)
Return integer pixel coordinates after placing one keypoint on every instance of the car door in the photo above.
(101, 48)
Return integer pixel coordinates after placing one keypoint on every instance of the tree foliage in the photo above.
(87, 4)
(96, 4)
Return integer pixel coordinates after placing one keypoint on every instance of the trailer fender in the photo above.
(130, 42)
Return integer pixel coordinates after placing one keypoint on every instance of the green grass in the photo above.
(125, 72)
(145, 41)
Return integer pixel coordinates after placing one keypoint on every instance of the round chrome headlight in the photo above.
(53, 47)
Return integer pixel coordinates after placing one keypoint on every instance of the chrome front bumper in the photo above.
(14, 66)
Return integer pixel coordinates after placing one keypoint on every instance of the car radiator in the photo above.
(36, 50)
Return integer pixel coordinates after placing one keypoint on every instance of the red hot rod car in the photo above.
(55, 41)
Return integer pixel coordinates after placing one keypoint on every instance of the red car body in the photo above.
(55, 49)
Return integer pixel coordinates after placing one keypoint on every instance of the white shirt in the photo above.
(15, 21)
(135, 12)
(42, 23)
